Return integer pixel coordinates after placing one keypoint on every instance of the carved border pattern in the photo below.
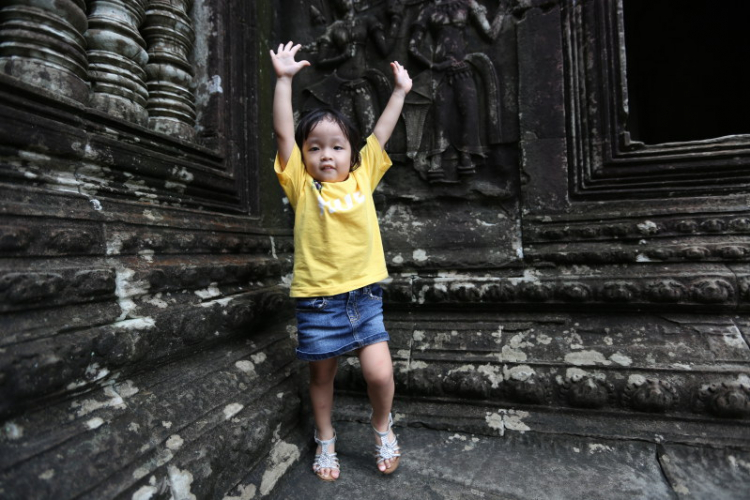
(618, 229)
(589, 389)
(724, 397)
(710, 289)
(613, 253)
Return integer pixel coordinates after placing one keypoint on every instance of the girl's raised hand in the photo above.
(283, 60)
(401, 78)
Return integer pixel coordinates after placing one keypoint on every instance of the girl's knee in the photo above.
(380, 378)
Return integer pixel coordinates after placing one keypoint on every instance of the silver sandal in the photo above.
(325, 460)
(387, 450)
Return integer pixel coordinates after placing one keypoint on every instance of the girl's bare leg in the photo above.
(377, 368)
(322, 374)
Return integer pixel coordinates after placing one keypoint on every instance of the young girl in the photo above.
(338, 254)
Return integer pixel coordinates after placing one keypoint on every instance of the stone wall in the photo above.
(146, 349)
(555, 267)
(550, 272)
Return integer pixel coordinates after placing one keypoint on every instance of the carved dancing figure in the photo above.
(448, 89)
(353, 88)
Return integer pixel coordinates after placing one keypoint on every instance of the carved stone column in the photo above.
(41, 43)
(170, 38)
(117, 58)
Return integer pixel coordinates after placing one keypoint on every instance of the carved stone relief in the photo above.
(650, 395)
(726, 399)
(453, 112)
(119, 230)
(352, 84)
(427, 219)
(452, 116)
(582, 389)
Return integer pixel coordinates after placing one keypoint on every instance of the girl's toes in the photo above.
(334, 473)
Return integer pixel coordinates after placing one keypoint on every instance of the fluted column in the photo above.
(117, 58)
(170, 39)
(42, 43)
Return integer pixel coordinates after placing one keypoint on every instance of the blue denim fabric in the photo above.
(337, 324)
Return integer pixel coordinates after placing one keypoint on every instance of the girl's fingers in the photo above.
(399, 70)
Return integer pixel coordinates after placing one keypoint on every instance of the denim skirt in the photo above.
(337, 324)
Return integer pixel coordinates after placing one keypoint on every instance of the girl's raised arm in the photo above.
(283, 114)
(388, 119)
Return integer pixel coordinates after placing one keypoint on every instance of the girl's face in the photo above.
(327, 153)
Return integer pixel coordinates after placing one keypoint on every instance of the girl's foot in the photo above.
(387, 451)
(326, 464)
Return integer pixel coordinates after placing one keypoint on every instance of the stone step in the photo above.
(497, 420)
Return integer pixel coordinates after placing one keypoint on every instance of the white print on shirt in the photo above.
(337, 205)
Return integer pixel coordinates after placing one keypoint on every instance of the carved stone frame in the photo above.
(590, 193)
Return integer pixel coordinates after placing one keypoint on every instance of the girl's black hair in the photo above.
(312, 118)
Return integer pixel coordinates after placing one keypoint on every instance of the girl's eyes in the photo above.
(316, 148)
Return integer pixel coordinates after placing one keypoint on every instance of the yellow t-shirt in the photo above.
(337, 245)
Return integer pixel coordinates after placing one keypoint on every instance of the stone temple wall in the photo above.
(145, 343)
(553, 269)
(550, 271)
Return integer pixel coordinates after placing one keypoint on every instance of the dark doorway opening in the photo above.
(687, 69)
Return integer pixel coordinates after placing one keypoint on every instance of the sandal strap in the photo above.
(386, 450)
(324, 443)
(383, 434)
(325, 459)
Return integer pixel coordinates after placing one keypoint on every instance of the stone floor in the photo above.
(459, 466)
